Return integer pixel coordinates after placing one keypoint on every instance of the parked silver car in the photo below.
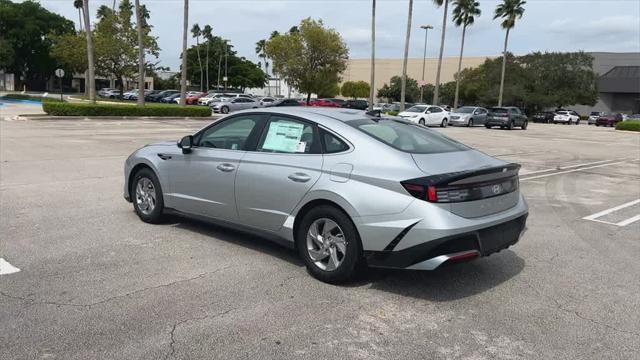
(468, 116)
(341, 187)
(227, 105)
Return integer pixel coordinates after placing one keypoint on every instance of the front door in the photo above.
(272, 180)
(202, 182)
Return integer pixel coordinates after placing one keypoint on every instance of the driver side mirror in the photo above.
(429, 111)
(186, 143)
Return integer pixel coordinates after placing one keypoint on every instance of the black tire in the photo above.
(224, 110)
(510, 125)
(421, 122)
(470, 123)
(597, 124)
(155, 216)
(352, 260)
(444, 122)
(524, 125)
(488, 126)
(570, 122)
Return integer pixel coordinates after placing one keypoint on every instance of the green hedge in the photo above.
(84, 109)
(629, 125)
(392, 113)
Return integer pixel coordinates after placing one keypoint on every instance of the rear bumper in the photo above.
(431, 254)
(495, 122)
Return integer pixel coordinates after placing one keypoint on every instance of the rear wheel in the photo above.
(329, 244)
(146, 194)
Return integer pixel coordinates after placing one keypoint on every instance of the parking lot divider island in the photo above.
(84, 109)
(629, 125)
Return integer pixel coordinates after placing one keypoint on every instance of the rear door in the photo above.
(273, 179)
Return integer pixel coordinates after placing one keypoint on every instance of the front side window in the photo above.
(435, 109)
(407, 137)
(232, 134)
(289, 136)
(466, 110)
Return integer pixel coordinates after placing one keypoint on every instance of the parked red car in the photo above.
(324, 103)
(609, 119)
(193, 98)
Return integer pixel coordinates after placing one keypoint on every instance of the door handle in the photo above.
(299, 177)
(164, 156)
(226, 167)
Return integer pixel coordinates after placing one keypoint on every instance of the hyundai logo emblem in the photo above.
(496, 189)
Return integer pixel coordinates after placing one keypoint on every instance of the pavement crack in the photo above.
(40, 302)
(577, 314)
(172, 340)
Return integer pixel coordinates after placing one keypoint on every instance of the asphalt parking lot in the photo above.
(97, 283)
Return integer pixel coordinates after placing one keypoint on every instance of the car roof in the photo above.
(314, 113)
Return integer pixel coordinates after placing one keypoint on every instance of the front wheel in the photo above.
(224, 110)
(524, 125)
(443, 123)
(146, 194)
(329, 244)
(421, 122)
(488, 126)
(470, 123)
(510, 125)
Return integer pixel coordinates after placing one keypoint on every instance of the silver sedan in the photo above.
(469, 116)
(341, 187)
(227, 105)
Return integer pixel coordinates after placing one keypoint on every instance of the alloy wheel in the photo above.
(145, 195)
(326, 244)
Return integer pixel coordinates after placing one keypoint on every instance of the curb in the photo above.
(44, 117)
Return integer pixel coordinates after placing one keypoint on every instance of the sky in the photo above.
(547, 25)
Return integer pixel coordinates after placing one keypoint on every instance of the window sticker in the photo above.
(284, 137)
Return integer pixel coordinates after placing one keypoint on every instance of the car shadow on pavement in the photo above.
(449, 282)
(240, 238)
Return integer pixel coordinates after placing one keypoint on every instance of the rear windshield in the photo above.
(407, 137)
(594, 113)
(499, 111)
(561, 113)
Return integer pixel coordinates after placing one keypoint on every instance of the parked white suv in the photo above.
(566, 117)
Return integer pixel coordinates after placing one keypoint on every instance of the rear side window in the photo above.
(332, 144)
(407, 137)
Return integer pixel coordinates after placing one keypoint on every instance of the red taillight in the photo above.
(432, 194)
(415, 190)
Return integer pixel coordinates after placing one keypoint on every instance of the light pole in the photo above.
(424, 58)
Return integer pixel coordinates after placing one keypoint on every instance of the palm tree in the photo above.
(403, 81)
(139, 20)
(373, 53)
(78, 5)
(436, 91)
(207, 32)
(90, 53)
(464, 14)
(196, 32)
(509, 10)
(185, 32)
(261, 46)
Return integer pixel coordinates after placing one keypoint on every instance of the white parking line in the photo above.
(563, 167)
(594, 217)
(6, 268)
(574, 170)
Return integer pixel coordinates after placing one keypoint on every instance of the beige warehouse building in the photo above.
(360, 69)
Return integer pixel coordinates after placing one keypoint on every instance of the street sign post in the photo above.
(60, 75)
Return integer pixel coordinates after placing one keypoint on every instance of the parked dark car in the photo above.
(157, 97)
(543, 117)
(357, 104)
(506, 117)
(283, 102)
(171, 98)
(609, 119)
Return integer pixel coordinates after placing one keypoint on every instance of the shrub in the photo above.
(82, 109)
(629, 125)
(393, 113)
